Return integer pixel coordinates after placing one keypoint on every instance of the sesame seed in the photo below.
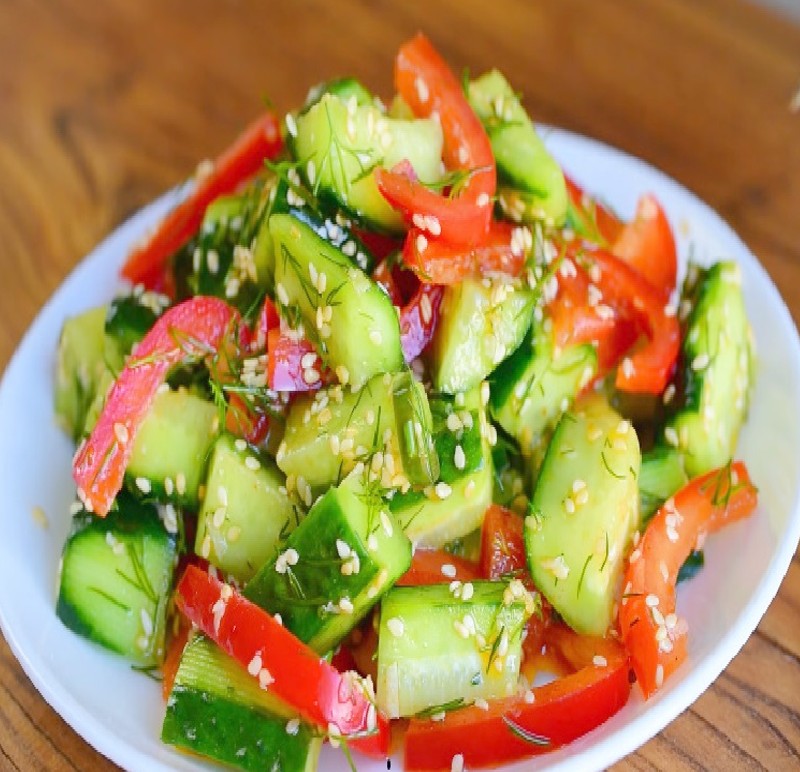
(482, 200)
(265, 678)
(180, 483)
(252, 463)
(425, 308)
(485, 393)
(308, 360)
(448, 570)
(396, 627)
(469, 489)
(376, 337)
(659, 676)
(578, 485)
(343, 374)
(421, 243)
(343, 549)
(671, 436)
(443, 490)
(599, 661)
(569, 505)
(461, 629)
(454, 423)
(143, 484)
(529, 697)
(467, 591)
(700, 362)
(293, 726)
(240, 445)
(346, 605)
(219, 517)
(481, 703)
(311, 375)
(254, 668)
(147, 622)
(672, 534)
(291, 124)
(386, 523)
(282, 294)
(121, 433)
(459, 459)
(212, 260)
(205, 547)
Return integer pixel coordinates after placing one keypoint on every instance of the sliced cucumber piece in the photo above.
(246, 511)
(523, 162)
(350, 319)
(662, 474)
(435, 649)
(715, 371)
(335, 565)
(328, 433)
(454, 507)
(116, 573)
(583, 513)
(170, 452)
(479, 326)
(216, 709)
(536, 384)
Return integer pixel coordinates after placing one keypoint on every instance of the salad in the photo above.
(399, 435)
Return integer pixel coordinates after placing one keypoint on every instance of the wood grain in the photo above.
(105, 105)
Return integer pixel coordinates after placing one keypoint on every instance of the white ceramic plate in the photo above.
(119, 711)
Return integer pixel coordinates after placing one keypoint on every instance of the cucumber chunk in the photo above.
(116, 573)
(350, 319)
(346, 89)
(454, 507)
(130, 317)
(339, 143)
(246, 511)
(479, 326)
(435, 649)
(217, 710)
(538, 190)
(536, 384)
(80, 366)
(170, 452)
(583, 513)
(328, 433)
(335, 565)
(715, 372)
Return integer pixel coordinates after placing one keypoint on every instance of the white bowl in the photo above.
(119, 711)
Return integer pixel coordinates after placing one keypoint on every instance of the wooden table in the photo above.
(105, 105)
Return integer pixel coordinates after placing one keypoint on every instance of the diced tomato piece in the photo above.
(323, 696)
(652, 632)
(195, 328)
(259, 142)
(438, 567)
(557, 714)
(501, 250)
(503, 545)
(176, 642)
(647, 244)
(428, 85)
(600, 224)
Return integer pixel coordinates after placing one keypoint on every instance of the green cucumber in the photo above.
(350, 319)
(583, 513)
(130, 317)
(80, 366)
(169, 455)
(523, 161)
(454, 506)
(339, 143)
(217, 710)
(329, 432)
(715, 370)
(438, 649)
(536, 384)
(346, 89)
(246, 511)
(335, 565)
(480, 324)
(115, 577)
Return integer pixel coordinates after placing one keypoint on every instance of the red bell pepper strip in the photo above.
(650, 367)
(428, 85)
(647, 244)
(653, 634)
(559, 713)
(172, 659)
(580, 316)
(335, 702)
(260, 141)
(501, 250)
(438, 567)
(195, 328)
(267, 320)
(418, 320)
(294, 364)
